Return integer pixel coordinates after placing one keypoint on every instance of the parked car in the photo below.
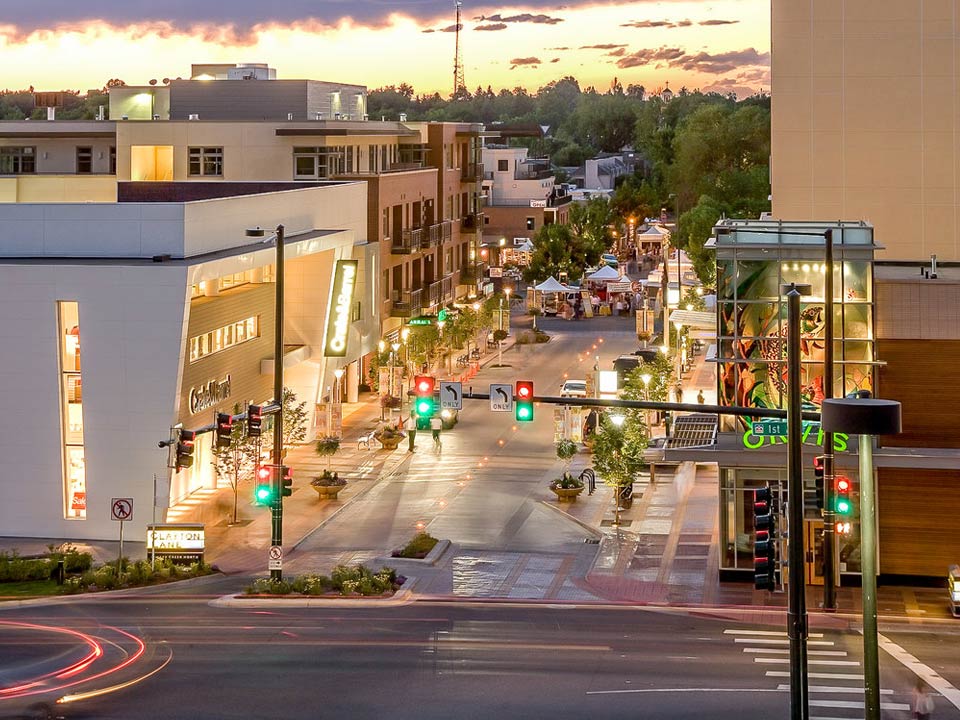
(647, 354)
(610, 260)
(654, 451)
(574, 388)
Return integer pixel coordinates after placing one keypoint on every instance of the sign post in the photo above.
(276, 558)
(121, 510)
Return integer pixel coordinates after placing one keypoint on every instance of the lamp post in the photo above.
(678, 326)
(866, 417)
(381, 346)
(405, 339)
(646, 378)
(394, 346)
(276, 516)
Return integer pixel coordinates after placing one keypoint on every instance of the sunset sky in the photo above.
(80, 44)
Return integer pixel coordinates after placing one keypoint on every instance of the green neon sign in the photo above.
(442, 315)
(422, 320)
(752, 441)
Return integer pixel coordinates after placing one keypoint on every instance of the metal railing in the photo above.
(472, 172)
(409, 241)
(406, 303)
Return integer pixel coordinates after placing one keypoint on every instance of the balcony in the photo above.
(441, 291)
(472, 173)
(472, 222)
(410, 241)
(406, 303)
(439, 233)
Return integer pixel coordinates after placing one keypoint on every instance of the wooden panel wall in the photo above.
(922, 375)
(241, 362)
(919, 521)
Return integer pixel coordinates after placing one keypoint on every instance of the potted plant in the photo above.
(327, 447)
(328, 485)
(389, 437)
(567, 487)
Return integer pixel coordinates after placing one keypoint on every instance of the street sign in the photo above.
(764, 428)
(121, 509)
(276, 558)
(501, 397)
(451, 395)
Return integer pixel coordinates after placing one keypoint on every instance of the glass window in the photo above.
(531, 222)
(224, 338)
(18, 160)
(113, 160)
(205, 161)
(84, 160)
(503, 165)
(71, 401)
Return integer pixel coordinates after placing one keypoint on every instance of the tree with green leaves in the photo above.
(294, 421)
(238, 461)
(618, 451)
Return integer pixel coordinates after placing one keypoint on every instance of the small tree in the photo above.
(618, 453)
(327, 447)
(236, 463)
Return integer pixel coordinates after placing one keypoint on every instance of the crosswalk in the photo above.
(833, 676)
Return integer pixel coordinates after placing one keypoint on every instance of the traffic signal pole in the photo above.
(796, 610)
(276, 508)
(829, 473)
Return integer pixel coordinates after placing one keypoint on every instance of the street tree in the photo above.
(618, 452)
(238, 461)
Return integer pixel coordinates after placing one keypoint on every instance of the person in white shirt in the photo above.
(436, 425)
(411, 427)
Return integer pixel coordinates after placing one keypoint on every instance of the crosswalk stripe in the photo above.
(786, 651)
(817, 676)
(779, 641)
(856, 705)
(776, 633)
(785, 661)
(834, 689)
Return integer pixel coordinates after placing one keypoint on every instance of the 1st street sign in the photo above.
(765, 428)
(501, 397)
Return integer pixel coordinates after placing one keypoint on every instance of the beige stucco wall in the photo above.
(58, 188)
(865, 119)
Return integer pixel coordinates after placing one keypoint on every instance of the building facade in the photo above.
(134, 317)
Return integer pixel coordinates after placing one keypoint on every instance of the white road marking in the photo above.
(856, 705)
(817, 676)
(672, 690)
(834, 689)
(774, 633)
(778, 641)
(786, 651)
(929, 675)
(786, 661)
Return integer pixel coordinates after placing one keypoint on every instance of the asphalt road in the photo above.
(430, 660)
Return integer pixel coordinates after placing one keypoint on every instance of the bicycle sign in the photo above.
(121, 509)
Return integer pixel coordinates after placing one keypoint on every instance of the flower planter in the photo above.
(327, 492)
(390, 443)
(566, 494)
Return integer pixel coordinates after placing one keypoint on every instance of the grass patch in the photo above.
(29, 588)
(418, 548)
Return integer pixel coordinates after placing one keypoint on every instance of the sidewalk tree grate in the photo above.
(610, 523)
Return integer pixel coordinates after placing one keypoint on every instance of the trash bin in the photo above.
(626, 496)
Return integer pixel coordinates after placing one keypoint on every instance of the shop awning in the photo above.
(694, 319)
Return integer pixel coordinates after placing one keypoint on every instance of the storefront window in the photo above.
(71, 403)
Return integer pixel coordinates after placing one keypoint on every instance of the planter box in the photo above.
(328, 491)
(390, 443)
(567, 494)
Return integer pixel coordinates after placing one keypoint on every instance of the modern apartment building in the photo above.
(864, 126)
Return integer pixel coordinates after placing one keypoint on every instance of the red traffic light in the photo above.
(424, 384)
(843, 484)
(524, 390)
(263, 472)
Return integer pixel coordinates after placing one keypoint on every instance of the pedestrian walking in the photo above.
(921, 702)
(700, 398)
(678, 391)
(436, 425)
(411, 428)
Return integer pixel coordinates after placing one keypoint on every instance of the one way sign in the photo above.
(501, 397)
(451, 396)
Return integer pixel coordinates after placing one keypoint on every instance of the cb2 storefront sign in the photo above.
(341, 298)
(812, 435)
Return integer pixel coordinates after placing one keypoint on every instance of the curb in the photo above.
(432, 558)
(401, 597)
(596, 532)
(109, 594)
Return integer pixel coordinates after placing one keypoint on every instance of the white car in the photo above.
(574, 388)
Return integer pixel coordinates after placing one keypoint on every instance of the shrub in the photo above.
(327, 446)
(499, 335)
(418, 548)
(567, 482)
(566, 449)
(328, 479)
(541, 337)
(343, 580)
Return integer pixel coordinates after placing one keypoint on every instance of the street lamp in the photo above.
(276, 534)
(679, 327)
(338, 373)
(646, 378)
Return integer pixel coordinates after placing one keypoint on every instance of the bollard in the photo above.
(61, 571)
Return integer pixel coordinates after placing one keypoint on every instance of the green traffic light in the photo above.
(524, 412)
(424, 407)
(843, 506)
(263, 493)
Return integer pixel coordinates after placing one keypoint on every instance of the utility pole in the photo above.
(796, 611)
(829, 474)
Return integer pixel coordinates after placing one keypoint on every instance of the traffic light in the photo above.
(818, 465)
(424, 386)
(286, 481)
(523, 400)
(765, 540)
(254, 420)
(843, 503)
(264, 494)
(185, 443)
(224, 430)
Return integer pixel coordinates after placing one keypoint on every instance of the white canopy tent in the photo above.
(551, 285)
(604, 274)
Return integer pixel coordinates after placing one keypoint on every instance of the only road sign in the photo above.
(451, 395)
(121, 508)
(501, 397)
